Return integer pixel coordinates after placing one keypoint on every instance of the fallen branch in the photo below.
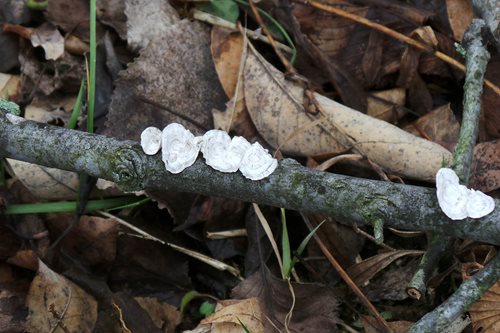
(347, 199)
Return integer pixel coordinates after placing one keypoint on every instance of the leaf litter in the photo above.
(183, 71)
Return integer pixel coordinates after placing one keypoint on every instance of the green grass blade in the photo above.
(188, 297)
(92, 65)
(304, 243)
(68, 206)
(77, 108)
(286, 253)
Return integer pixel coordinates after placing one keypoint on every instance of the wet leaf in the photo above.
(440, 126)
(43, 182)
(363, 271)
(158, 88)
(460, 15)
(485, 172)
(229, 313)
(164, 315)
(315, 308)
(485, 313)
(58, 305)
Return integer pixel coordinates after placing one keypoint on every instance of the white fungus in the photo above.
(151, 140)
(479, 204)
(459, 202)
(222, 153)
(179, 148)
(257, 163)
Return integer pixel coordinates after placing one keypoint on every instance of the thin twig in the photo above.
(343, 274)
(393, 34)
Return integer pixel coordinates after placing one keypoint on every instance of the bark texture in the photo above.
(347, 199)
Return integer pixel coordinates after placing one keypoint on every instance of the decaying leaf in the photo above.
(363, 271)
(146, 20)
(440, 126)
(485, 172)
(58, 305)
(315, 308)
(371, 325)
(229, 314)
(227, 50)
(275, 106)
(384, 104)
(164, 315)
(460, 15)
(173, 80)
(43, 182)
(485, 313)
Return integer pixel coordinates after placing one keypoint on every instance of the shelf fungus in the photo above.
(457, 201)
(257, 163)
(180, 148)
(151, 140)
(222, 153)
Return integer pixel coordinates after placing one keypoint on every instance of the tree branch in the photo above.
(347, 199)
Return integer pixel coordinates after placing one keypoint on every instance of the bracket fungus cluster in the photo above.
(457, 201)
(180, 149)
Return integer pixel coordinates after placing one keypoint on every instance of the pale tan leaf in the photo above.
(229, 313)
(363, 271)
(58, 305)
(9, 85)
(275, 106)
(43, 182)
(485, 313)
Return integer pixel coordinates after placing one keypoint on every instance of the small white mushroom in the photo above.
(213, 147)
(452, 198)
(151, 140)
(222, 153)
(479, 204)
(257, 163)
(459, 202)
(179, 148)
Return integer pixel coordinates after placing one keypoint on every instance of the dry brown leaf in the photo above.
(92, 240)
(227, 49)
(491, 100)
(315, 306)
(460, 15)
(383, 104)
(43, 182)
(25, 259)
(173, 80)
(440, 126)
(275, 106)
(229, 313)
(485, 313)
(12, 300)
(58, 305)
(485, 172)
(71, 15)
(371, 325)
(363, 271)
(164, 315)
